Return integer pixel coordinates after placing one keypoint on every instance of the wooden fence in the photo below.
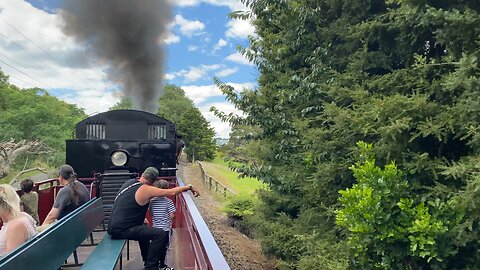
(214, 184)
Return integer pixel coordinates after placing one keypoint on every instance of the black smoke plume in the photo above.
(126, 35)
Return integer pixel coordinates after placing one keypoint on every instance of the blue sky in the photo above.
(201, 44)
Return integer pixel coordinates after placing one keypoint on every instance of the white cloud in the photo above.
(226, 72)
(88, 87)
(93, 101)
(169, 76)
(187, 27)
(59, 64)
(200, 95)
(220, 44)
(196, 73)
(232, 4)
(192, 48)
(222, 129)
(239, 59)
(193, 74)
(239, 29)
(185, 3)
(171, 38)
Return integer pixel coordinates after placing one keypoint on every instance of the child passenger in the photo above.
(163, 212)
(29, 199)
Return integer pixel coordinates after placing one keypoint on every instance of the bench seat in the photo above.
(49, 250)
(106, 254)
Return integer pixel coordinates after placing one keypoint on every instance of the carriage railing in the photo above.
(196, 246)
(191, 227)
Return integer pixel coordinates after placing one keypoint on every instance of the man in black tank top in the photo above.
(128, 214)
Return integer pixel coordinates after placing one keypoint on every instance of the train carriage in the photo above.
(111, 148)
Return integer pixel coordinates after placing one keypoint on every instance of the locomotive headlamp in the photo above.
(119, 158)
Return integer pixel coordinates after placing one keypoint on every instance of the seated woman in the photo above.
(18, 226)
(69, 198)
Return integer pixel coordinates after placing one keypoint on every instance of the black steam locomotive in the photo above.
(122, 140)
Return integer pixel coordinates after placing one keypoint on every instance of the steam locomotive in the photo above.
(115, 146)
(122, 140)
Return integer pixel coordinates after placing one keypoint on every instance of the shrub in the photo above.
(389, 228)
(239, 206)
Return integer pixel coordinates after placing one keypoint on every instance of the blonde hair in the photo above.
(9, 199)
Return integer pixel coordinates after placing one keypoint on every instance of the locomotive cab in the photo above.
(122, 140)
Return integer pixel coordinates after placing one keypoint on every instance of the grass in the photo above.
(219, 170)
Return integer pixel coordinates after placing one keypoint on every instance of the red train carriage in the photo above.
(109, 149)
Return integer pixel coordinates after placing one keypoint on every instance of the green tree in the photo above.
(197, 133)
(123, 104)
(35, 115)
(403, 75)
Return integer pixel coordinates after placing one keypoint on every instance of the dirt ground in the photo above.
(241, 252)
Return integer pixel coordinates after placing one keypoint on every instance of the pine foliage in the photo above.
(399, 74)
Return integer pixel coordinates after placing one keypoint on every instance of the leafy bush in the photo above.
(239, 206)
(240, 210)
(389, 227)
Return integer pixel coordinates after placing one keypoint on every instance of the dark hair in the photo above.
(179, 136)
(75, 194)
(161, 183)
(66, 172)
(26, 185)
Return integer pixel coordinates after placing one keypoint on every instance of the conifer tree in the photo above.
(402, 75)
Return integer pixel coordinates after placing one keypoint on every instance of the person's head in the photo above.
(66, 173)
(179, 136)
(161, 183)
(9, 201)
(150, 174)
(26, 185)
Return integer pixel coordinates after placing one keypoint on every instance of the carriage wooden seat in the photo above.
(106, 254)
(49, 249)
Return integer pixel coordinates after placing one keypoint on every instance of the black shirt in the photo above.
(126, 212)
(65, 202)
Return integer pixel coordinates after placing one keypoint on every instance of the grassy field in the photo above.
(219, 170)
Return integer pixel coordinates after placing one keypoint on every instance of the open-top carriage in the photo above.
(109, 149)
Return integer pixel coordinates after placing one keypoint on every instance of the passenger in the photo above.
(180, 144)
(29, 199)
(128, 215)
(70, 197)
(163, 212)
(18, 226)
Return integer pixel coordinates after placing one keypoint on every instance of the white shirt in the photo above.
(27, 221)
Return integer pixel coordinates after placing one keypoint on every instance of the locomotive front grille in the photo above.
(157, 131)
(110, 184)
(95, 131)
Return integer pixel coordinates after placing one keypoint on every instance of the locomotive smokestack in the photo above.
(127, 35)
